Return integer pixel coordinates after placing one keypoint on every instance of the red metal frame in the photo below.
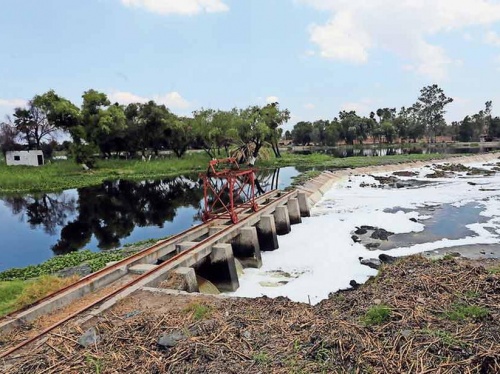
(227, 191)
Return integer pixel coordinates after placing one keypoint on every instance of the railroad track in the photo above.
(267, 203)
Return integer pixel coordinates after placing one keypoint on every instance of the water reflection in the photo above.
(105, 216)
(392, 151)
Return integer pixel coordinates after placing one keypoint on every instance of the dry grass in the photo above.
(279, 336)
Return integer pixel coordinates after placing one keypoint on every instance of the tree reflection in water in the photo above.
(111, 211)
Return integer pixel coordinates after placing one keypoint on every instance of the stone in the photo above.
(381, 234)
(373, 263)
(90, 337)
(377, 301)
(355, 285)
(171, 340)
(386, 259)
(355, 239)
(413, 219)
(80, 270)
(406, 333)
(372, 245)
(360, 231)
(246, 334)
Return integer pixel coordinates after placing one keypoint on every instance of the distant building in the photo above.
(30, 158)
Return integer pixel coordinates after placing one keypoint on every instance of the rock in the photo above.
(171, 340)
(80, 270)
(354, 284)
(246, 334)
(89, 338)
(472, 183)
(413, 220)
(373, 263)
(85, 167)
(355, 239)
(404, 173)
(364, 227)
(406, 333)
(381, 234)
(377, 301)
(360, 231)
(386, 259)
(372, 245)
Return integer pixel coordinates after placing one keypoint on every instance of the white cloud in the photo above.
(12, 103)
(358, 27)
(492, 38)
(172, 100)
(309, 106)
(183, 7)
(272, 99)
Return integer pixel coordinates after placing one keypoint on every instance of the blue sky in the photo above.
(315, 57)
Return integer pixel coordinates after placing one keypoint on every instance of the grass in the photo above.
(444, 336)
(261, 358)
(377, 315)
(198, 311)
(63, 175)
(9, 292)
(17, 294)
(460, 312)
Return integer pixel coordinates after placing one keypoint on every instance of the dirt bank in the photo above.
(416, 316)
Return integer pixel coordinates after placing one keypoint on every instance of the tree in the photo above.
(8, 135)
(274, 118)
(466, 130)
(180, 135)
(431, 109)
(302, 133)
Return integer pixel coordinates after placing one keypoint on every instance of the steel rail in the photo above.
(121, 263)
(116, 292)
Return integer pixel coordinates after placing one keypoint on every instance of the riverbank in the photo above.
(62, 175)
(415, 316)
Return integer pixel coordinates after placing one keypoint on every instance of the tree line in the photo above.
(138, 129)
(424, 119)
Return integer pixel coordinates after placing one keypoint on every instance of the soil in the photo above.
(417, 315)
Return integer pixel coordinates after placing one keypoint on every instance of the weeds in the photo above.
(459, 312)
(377, 315)
(199, 311)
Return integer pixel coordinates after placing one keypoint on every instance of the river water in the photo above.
(35, 227)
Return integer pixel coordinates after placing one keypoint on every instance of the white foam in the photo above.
(321, 254)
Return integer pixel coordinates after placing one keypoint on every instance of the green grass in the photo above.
(96, 260)
(261, 358)
(377, 315)
(62, 175)
(199, 311)
(444, 336)
(9, 293)
(460, 312)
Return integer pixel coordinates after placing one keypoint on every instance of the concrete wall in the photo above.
(29, 158)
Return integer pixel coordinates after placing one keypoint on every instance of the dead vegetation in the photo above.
(415, 316)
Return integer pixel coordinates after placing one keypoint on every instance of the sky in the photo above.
(315, 57)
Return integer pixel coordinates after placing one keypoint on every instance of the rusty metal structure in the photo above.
(228, 190)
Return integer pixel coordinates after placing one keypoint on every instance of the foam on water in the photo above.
(321, 255)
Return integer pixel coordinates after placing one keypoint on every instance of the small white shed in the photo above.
(30, 158)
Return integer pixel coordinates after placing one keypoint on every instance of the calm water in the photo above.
(34, 228)
(392, 151)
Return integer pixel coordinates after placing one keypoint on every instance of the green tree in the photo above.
(274, 118)
(302, 132)
(431, 109)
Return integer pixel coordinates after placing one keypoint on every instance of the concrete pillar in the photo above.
(282, 220)
(189, 277)
(246, 247)
(294, 211)
(303, 205)
(223, 268)
(266, 231)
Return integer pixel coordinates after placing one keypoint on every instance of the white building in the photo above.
(30, 158)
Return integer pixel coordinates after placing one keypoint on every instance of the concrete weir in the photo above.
(208, 250)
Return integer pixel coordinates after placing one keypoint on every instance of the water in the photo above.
(34, 228)
(345, 151)
(446, 221)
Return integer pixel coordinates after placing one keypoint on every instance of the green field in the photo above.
(63, 175)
